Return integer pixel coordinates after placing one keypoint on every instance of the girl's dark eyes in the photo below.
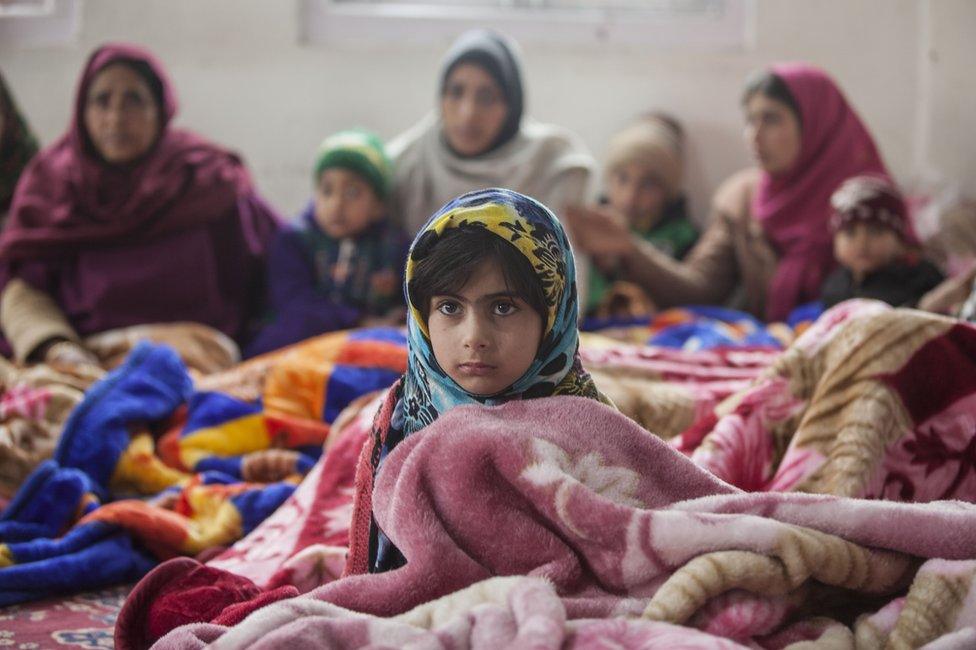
(505, 308)
(498, 308)
(448, 307)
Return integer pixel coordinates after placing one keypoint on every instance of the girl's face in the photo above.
(121, 115)
(866, 247)
(485, 337)
(473, 109)
(345, 204)
(772, 133)
(635, 191)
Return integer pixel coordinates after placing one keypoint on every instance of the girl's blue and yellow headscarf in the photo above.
(427, 391)
(535, 232)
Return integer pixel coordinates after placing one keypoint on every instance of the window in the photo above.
(708, 24)
(25, 23)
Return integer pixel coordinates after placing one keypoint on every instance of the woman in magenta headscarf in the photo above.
(768, 235)
(128, 221)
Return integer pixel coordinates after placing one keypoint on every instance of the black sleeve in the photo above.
(836, 288)
(927, 277)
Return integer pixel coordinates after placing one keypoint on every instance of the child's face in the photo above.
(485, 337)
(345, 204)
(866, 247)
(473, 109)
(635, 191)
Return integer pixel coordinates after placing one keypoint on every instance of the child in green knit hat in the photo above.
(341, 264)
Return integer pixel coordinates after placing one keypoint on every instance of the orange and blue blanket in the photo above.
(148, 468)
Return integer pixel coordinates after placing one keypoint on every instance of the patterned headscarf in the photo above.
(17, 145)
(426, 391)
(536, 233)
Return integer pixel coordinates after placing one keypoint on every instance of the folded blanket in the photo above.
(870, 402)
(304, 543)
(621, 525)
(202, 348)
(703, 327)
(34, 405)
(207, 467)
(670, 391)
(37, 558)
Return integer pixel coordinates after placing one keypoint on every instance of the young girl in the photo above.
(492, 311)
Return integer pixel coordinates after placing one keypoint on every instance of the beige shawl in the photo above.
(546, 162)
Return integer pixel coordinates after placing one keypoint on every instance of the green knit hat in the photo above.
(358, 151)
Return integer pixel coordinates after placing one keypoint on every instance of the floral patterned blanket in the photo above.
(604, 530)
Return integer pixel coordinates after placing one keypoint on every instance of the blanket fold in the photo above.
(148, 467)
(618, 524)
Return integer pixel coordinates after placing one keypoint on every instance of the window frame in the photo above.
(39, 24)
(330, 22)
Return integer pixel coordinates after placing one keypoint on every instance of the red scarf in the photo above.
(794, 207)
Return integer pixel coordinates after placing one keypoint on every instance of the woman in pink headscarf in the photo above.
(768, 235)
(127, 221)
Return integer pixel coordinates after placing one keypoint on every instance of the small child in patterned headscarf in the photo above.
(875, 247)
(492, 313)
(341, 265)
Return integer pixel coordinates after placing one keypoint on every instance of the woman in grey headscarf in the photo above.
(479, 138)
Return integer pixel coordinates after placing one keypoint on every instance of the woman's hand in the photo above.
(598, 230)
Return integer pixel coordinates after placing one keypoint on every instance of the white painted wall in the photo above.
(246, 81)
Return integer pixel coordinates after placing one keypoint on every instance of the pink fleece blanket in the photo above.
(614, 533)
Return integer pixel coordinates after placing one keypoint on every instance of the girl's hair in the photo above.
(771, 85)
(444, 264)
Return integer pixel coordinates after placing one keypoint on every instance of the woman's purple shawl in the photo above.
(179, 235)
